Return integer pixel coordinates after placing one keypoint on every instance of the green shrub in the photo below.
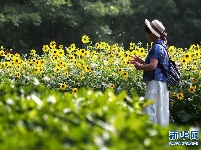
(34, 117)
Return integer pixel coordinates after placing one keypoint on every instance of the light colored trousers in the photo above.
(159, 111)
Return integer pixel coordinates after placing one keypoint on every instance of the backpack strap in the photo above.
(165, 46)
(159, 64)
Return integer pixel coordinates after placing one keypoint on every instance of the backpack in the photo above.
(173, 74)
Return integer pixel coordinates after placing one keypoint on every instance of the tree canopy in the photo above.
(27, 24)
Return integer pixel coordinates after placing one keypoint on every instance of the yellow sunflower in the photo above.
(61, 47)
(54, 52)
(180, 96)
(37, 70)
(187, 57)
(72, 47)
(184, 60)
(132, 46)
(57, 69)
(107, 47)
(192, 89)
(85, 39)
(46, 48)
(7, 64)
(112, 85)
(61, 53)
(125, 74)
(87, 69)
(18, 74)
(63, 86)
(74, 90)
(52, 44)
(16, 60)
(66, 73)
(33, 52)
(2, 53)
(120, 71)
(72, 58)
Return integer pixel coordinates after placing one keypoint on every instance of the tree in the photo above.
(30, 24)
(131, 25)
(188, 22)
(27, 24)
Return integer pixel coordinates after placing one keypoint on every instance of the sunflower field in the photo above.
(82, 75)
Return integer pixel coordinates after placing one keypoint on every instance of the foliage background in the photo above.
(29, 24)
(32, 118)
(102, 66)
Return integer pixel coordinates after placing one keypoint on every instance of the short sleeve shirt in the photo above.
(158, 52)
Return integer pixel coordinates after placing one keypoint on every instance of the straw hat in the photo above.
(155, 26)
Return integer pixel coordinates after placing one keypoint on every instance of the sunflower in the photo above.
(141, 52)
(33, 61)
(82, 52)
(93, 53)
(112, 85)
(102, 45)
(40, 62)
(85, 39)
(87, 69)
(57, 69)
(74, 90)
(125, 74)
(10, 74)
(62, 64)
(171, 49)
(16, 55)
(197, 53)
(72, 47)
(132, 46)
(18, 67)
(37, 70)
(72, 58)
(52, 44)
(18, 74)
(193, 80)
(97, 45)
(107, 47)
(135, 52)
(81, 75)
(120, 71)
(61, 53)
(8, 56)
(115, 47)
(66, 73)
(7, 64)
(54, 52)
(127, 54)
(16, 60)
(33, 52)
(187, 57)
(180, 96)
(63, 86)
(184, 61)
(192, 89)
(2, 53)
(46, 48)
(61, 47)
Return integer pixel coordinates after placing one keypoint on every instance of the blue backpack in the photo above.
(173, 74)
